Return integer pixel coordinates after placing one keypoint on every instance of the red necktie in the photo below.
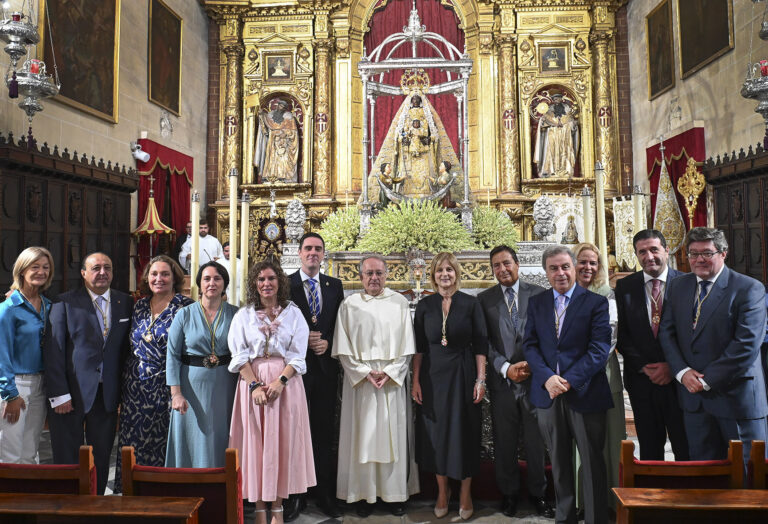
(656, 301)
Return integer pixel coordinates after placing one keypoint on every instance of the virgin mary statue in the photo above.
(413, 149)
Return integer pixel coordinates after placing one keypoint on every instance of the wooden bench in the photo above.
(694, 506)
(72, 479)
(758, 465)
(44, 508)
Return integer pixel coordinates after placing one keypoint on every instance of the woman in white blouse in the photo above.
(270, 422)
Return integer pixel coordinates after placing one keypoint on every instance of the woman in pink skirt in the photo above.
(270, 422)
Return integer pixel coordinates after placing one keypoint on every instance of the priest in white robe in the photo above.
(374, 342)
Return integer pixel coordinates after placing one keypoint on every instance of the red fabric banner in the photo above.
(163, 162)
(678, 149)
(391, 19)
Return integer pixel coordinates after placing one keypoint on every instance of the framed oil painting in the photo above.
(705, 32)
(279, 67)
(553, 59)
(165, 29)
(86, 37)
(661, 62)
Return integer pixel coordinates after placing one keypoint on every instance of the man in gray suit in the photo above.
(505, 306)
(711, 331)
(83, 366)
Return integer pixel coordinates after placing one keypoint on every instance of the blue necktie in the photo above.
(703, 286)
(513, 307)
(314, 300)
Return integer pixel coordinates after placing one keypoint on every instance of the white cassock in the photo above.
(376, 440)
(209, 249)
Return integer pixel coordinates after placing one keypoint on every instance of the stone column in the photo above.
(510, 154)
(233, 129)
(323, 124)
(604, 123)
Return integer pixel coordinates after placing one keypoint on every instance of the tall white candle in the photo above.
(233, 229)
(602, 243)
(194, 256)
(586, 205)
(243, 277)
(638, 200)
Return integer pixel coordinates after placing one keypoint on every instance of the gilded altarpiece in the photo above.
(522, 50)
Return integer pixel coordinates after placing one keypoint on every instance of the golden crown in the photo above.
(414, 81)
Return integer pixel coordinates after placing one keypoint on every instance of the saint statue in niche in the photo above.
(557, 138)
(570, 235)
(408, 163)
(276, 152)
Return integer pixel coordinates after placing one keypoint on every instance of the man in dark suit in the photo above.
(505, 306)
(711, 331)
(567, 342)
(319, 297)
(640, 301)
(84, 364)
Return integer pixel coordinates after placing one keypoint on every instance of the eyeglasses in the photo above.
(707, 255)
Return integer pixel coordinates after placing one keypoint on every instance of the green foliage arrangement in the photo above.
(341, 229)
(492, 227)
(423, 225)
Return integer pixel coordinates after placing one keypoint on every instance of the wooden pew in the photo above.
(74, 479)
(758, 465)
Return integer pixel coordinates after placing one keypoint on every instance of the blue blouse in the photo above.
(22, 331)
(149, 339)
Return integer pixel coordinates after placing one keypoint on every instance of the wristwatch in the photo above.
(253, 385)
(283, 379)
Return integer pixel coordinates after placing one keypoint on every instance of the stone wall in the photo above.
(76, 130)
(710, 95)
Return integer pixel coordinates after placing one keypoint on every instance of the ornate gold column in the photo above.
(233, 48)
(323, 155)
(510, 155)
(604, 121)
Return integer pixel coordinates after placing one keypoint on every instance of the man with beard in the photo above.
(209, 249)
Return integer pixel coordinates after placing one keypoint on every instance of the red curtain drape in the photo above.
(438, 19)
(678, 149)
(163, 162)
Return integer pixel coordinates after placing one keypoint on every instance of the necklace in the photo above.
(148, 335)
(558, 318)
(212, 360)
(444, 340)
(656, 318)
(103, 316)
(699, 302)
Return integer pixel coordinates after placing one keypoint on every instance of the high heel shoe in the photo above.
(466, 514)
(442, 512)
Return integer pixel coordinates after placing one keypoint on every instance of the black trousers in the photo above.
(321, 390)
(96, 428)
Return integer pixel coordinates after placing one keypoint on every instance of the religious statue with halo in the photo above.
(557, 137)
(412, 161)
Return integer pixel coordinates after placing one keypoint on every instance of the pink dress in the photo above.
(273, 440)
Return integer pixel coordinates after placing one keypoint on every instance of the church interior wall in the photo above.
(711, 95)
(68, 127)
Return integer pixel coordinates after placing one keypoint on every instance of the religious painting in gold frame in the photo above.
(278, 67)
(658, 44)
(165, 32)
(86, 37)
(553, 59)
(705, 32)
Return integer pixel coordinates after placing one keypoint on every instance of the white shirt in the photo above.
(234, 280)
(107, 310)
(682, 372)
(209, 249)
(516, 288)
(246, 341)
(305, 285)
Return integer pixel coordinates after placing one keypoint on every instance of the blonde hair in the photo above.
(601, 277)
(445, 256)
(25, 259)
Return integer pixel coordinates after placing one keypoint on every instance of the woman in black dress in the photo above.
(449, 382)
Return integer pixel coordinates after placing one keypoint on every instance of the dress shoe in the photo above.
(442, 512)
(509, 505)
(466, 514)
(364, 509)
(542, 507)
(397, 508)
(291, 508)
(327, 505)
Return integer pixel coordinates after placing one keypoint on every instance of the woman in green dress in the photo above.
(202, 388)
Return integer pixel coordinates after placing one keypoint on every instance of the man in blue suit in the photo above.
(567, 342)
(651, 386)
(319, 297)
(84, 364)
(711, 331)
